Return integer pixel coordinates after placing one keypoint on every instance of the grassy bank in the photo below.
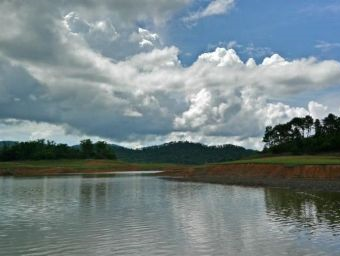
(77, 166)
(293, 160)
(308, 172)
(298, 172)
(54, 167)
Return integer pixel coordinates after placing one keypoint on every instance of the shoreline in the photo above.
(65, 167)
(325, 177)
(313, 185)
(310, 177)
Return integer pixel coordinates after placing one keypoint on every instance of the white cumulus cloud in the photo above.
(215, 7)
(317, 110)
(53, 76)
(145, 38)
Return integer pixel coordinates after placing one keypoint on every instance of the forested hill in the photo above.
(182, 153)
(7, 143)
(174, 152)
(304, 135)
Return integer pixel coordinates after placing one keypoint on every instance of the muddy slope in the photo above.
(319, 177)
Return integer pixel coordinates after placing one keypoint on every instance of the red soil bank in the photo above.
(321, 177)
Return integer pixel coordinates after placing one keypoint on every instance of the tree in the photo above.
(103, 150)
(296, 136)
(331, 124)
(299, 124)
(268, 137)
(41, 149)
(308, 124)
(317, 128)
(87, 148)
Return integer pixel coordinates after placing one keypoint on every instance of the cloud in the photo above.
(197, 114)
(233, 45)
(215, 7)
(326, 46)
(249, 50)
(22, 130)
(256, 51)
(317, 110)
(275, 60)
(55, 76)
(102, 36)
(221, 57)
(99, 30)
(35, 30)
(145, 38)
(322, 8)
(127, 12)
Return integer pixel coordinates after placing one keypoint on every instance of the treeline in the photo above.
(173, 152)
(183, 153)
(304, 135)
(49, 150)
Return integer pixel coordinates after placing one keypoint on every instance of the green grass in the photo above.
(293, 160)
(82, 165)
(59, 166)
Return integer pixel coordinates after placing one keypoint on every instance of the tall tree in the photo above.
(331, 124)
(296, 136)
(103, 150)
(87, 148)
(308, 124)
(317, 128)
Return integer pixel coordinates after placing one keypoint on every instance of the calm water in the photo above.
(138, 215)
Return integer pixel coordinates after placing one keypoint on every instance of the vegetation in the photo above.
(174, 152)
(183, 153)
(293, 160)
(43, 150)
(301, 135)
(304, 136)
(81, 166)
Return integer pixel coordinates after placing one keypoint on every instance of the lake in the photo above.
(145, 215)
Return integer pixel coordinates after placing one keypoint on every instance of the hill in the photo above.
(304, 135)
(49, 150)
(292, 160)
(183, 153)
(7, 143)
(176, 153)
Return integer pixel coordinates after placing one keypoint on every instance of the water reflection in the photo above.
(306, 209)
(138, 215)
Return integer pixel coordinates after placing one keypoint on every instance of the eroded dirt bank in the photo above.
(318, 177)
(46, 168)
(59, 171)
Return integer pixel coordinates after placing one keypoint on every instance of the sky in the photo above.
(145, 72)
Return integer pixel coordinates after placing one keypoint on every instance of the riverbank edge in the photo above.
(315, 177)
(311, 177)
(49, 168)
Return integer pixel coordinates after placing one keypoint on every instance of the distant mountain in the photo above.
(182, 153)
(177, 153)
(7, 143)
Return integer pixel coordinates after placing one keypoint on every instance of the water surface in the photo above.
(143, 215)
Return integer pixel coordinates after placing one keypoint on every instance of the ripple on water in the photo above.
(138, 215)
